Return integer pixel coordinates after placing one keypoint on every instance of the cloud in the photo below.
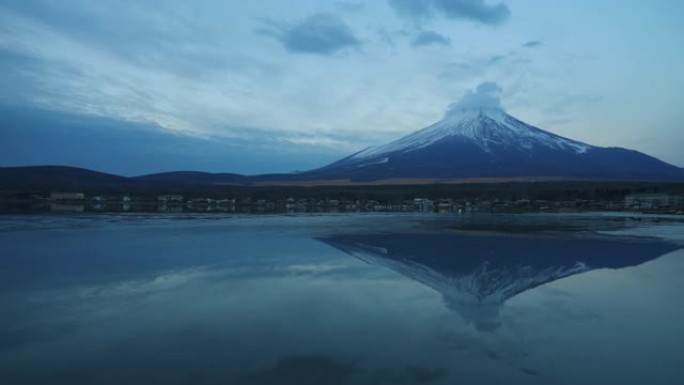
(418, 10)
(486, 96)
(496, 59)
(38, 137)
(153, 36)
(427, 38)
(473, 10)
(532, 44)
(348, 6)
(319, 34)
(508, 66)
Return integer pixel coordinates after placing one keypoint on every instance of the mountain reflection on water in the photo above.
(341, 299)
(476, 274)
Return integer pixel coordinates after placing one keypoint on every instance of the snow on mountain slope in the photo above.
(485, 127)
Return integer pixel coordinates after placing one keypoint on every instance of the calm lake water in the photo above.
(341, 299)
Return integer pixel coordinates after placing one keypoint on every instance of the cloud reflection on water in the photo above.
(222, 303)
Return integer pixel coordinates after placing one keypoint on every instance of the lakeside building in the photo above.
(170, 198)
(67, 196)
(648, 201)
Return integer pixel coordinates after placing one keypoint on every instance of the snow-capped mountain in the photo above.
(482, 140)
(488, 129)
(476, 274)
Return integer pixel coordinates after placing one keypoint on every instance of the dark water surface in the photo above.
(341, 299)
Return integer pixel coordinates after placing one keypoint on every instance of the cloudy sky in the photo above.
(133, 86)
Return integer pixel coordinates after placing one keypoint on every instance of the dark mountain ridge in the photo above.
(468, 143)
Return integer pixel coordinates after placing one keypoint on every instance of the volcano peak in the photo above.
(486, 128)
(478, 139)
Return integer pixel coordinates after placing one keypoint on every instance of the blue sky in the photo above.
(134, 87)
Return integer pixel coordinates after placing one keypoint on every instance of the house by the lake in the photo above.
(67, 196)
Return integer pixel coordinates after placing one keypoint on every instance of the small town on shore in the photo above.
(70, 201)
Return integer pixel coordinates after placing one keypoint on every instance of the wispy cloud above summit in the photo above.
(487, 96)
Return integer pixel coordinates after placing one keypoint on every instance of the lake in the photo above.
(341, 299)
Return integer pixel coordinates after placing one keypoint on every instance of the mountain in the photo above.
(58, 178)
(486, 142)
(185, 178)
(74, 178)
(477, 274)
